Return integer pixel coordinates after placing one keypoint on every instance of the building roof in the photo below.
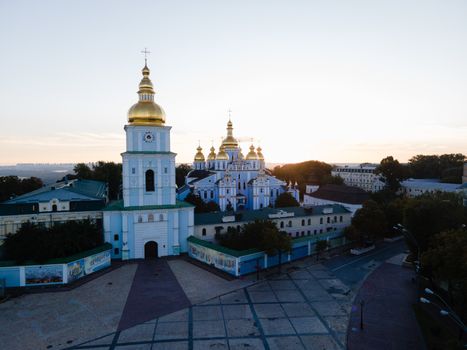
(243, 216)
(72, 190)
(118, 206)
(430, 184)
(341, 194)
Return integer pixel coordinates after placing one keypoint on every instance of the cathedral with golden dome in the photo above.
(231, 179)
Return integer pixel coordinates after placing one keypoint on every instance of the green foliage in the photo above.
(286, 200)
(304, 173)
(332, 180)
(320, 247)
(38, 243)
(393, 173)
(429, 214)
(261, 234)
(369, 221)
(108, 172)
(447, 167)
(11, 186)
(200, 205)
(181, 172)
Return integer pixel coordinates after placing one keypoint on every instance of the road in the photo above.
(352, 269)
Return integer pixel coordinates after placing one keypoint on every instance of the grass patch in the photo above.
(437, 335)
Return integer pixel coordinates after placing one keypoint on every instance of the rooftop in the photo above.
(341, 194)
(72, 190)
(243, 216)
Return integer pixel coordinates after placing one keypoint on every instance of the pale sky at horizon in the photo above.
(336, 81)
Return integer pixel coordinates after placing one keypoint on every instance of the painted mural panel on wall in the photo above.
(75, 270)
(213, 257)
(96, 262)
(43, 274)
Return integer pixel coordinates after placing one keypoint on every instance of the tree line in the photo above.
(39, 243)
(12, 186)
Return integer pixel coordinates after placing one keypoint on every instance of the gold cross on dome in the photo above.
(146, 53)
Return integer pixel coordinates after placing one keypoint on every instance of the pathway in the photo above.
(388, 318)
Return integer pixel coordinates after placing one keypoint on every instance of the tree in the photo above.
(181, 172)
(200, 205)
(446, 261)
(447, 167)
(393, 173)
(429, 214)
(286, 200)
(108, 172)
(275, 242)
(320, 247)
(12, 186)
(38, 243)
(369, 221)
(332, 180)
(304, 173)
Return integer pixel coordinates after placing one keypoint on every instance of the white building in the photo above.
(416, 187)
(362, 176)
(71, 200)
(296, 221)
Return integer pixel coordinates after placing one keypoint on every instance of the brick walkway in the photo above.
(388, 318)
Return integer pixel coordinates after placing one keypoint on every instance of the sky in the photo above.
(336, 81)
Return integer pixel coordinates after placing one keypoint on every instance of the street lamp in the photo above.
(454, 317)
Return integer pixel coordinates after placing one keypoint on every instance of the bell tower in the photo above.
(148, 164)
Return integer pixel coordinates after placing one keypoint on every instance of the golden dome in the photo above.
(252, 154)
(230, 142)
(260, 155)
(240, 154)
(212, 154)
(146, 111)
(222, 155)
(199, 156)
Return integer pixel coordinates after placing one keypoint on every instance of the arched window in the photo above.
(161, 217)
(54, 207)
(303, 222)
(282, 224)
(150, 218)
(149, 180)
(140, 218)
(204, 232)
(309, 221)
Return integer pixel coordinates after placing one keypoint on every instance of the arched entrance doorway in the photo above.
(150, 250)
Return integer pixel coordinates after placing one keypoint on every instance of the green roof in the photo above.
(65, 260)
(221, 249)
(118, 206)
(263, 214)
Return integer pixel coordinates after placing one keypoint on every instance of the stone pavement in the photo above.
(54, 320)
(304, 309)
(154, 292)
(388, 318)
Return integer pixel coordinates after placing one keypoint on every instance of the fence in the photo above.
(60, 272)
(239, 263)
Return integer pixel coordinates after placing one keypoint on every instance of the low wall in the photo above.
(56, 273)
(239, 263)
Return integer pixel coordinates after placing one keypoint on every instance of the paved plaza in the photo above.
(303, 309)
(173, 304)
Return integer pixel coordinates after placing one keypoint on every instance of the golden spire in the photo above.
(260, 154)
(252, 154)
(230, 142)
(146, 111)
(199, 156)
(212, 154)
